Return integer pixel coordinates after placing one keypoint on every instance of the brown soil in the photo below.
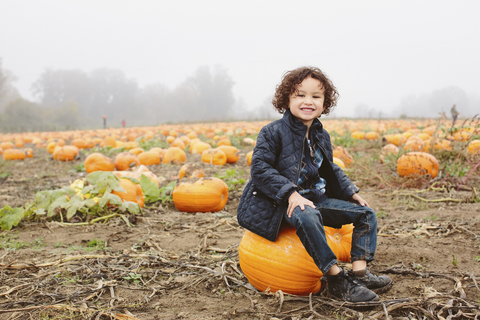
(189, 262)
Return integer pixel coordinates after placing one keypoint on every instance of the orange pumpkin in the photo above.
(7, 145)
(204, 195)
(190, 170)
(126, 160)
(98, 162)
(199, 147)
(340, 241)
(14, 154)
(285, 264)
(224, 142)
(358, 135)
(342, 154)
(420, 163)
(28, 152)
(136, 150)
(79, 143)
(51, 147)
(178, 143)
(339, 162)
(232, 153)
(390, 148)
(371, 135)
(133, 192)
(474, 147)
(109, 142)
(214, 156)
(249, 157)
(414, 143)
(174, 155)
(149, 158)
(65, 153)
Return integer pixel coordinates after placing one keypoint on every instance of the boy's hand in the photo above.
(296, 200)
(357, 199)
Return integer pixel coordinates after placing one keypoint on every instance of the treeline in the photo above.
(74, 99)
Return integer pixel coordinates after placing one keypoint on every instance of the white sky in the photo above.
(375, 51)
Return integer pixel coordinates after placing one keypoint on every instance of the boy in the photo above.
(293, 178)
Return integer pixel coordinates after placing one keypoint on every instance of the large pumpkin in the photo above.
(342, 154)
(98, 162)
(133, 192)
(204, 195)
(285, 264)
(420, 163)
(474, 147)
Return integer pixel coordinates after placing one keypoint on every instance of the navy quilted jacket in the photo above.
(275, 170)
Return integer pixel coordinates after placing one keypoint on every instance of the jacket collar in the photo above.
(298, 127)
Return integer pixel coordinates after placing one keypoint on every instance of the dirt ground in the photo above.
(176, 265)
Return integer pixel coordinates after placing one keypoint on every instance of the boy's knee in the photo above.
(307, 215)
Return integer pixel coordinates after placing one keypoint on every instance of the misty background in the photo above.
(66, 64)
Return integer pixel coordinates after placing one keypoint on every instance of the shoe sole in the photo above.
(383, 289)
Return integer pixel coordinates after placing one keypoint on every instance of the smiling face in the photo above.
(307, 103)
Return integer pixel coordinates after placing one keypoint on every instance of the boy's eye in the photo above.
(300, 95)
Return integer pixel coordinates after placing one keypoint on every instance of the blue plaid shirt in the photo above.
(310, 184)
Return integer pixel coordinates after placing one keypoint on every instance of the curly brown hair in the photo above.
(289, 85)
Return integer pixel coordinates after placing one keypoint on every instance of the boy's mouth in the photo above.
(307, 109)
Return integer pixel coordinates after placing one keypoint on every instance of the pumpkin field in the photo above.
(140, 223)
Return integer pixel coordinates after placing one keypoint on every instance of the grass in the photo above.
(9, 243)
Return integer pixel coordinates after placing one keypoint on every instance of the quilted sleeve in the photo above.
(264, 173)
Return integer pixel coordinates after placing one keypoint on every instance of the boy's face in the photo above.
(307, 103)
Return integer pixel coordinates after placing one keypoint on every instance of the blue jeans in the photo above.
(335, 213)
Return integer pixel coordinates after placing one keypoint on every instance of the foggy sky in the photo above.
(376, 52)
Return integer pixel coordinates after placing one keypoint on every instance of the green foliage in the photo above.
(150, 189)
(151, 143)
(231, 178)
(433, 217)
(133, 277)
(10, 217)
(166, 192)
(454, 260)
(108, 151)
(344, 140)
(96, 244)
(10, 244)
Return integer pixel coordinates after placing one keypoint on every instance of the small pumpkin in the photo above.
(7, 145)
(133, 192)
(371, 135)
(232, 153)
(79, 143)
(249, 157)
(28, 152)
(149, 158)
(342, 154)
(109, 142)
(177, 142)
(65, 153)
(126, 160)
(14, 154)
(51, 146)
(214, 156)
(358, 135)
(474, 147)
(190, 170)
(203, 195)
(414, 143)
(199, 147)
(136, 150)
(420, 163)
(174, 155)
(224, 142)
(98, 162)
(339, 162)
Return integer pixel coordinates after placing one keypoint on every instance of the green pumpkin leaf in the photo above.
(150, 189)
(10, 217)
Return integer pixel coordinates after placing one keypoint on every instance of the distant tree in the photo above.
(153, 104)
(21, 115)
(112, 94)
(7, 92)
(205, 95)
(55, 87)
